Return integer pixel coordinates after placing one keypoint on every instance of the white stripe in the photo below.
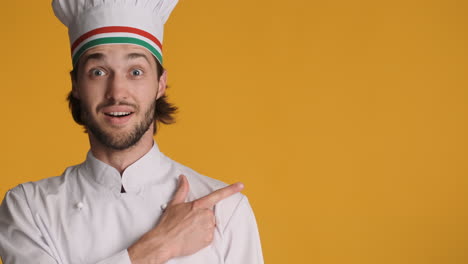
(116, 34)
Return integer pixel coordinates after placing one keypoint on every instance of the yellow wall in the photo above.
(347, 120)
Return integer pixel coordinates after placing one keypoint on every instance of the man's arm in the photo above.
(184, 228)
(21, 240)
(241, 236)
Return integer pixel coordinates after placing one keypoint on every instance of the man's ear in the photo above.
(74, 85)
(162, 84)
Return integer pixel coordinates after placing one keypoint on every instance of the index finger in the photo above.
(213, 198)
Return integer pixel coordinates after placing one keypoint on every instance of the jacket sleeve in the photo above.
(20, 239)
(241, 236)
(23, 240)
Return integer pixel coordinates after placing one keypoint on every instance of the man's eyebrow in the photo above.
(133, 56)
(93, 56)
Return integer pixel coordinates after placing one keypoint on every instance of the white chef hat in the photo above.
(98, 22)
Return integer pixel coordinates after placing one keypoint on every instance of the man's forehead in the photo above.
(117, 52)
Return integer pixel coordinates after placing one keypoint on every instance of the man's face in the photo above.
(117, 86)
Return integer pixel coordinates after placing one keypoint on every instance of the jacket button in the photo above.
(80, 205)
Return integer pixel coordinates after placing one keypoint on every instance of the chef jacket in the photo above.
(83, 217)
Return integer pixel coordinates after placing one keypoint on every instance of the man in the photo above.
(127, 203)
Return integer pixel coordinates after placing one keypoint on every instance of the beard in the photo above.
(120, 140)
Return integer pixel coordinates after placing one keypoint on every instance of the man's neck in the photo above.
(121, 159)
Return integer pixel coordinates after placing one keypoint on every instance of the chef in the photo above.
(127, 202)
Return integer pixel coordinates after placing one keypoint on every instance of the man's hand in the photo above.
(183, 229)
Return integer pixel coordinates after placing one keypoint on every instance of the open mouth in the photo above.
(118, 114)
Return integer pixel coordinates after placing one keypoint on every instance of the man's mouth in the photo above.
(118, 114)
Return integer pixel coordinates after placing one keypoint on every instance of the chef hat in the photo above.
(98, 22)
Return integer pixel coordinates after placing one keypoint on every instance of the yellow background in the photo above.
(346, 120)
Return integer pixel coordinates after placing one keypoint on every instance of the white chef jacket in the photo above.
(82, 216)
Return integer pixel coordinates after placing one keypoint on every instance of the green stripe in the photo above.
(116, 40)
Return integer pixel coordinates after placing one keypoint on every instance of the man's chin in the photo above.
(119, 139)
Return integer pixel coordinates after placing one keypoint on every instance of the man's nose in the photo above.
(117, 87)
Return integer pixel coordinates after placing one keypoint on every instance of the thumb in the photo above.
(182, 191)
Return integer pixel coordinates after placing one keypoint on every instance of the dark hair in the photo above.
(164, 111)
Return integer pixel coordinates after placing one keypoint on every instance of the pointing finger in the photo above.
(182, 191)
(213, 198)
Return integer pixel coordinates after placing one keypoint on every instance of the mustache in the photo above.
(115, 103)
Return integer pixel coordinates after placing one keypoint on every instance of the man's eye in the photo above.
(137, 72)
(98, 72)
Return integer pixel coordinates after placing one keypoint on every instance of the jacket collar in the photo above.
(148, 170)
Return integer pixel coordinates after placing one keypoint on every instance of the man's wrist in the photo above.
(148, 252)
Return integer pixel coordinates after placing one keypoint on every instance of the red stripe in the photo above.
(114, 30)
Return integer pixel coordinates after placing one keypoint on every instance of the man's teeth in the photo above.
(119, 113)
